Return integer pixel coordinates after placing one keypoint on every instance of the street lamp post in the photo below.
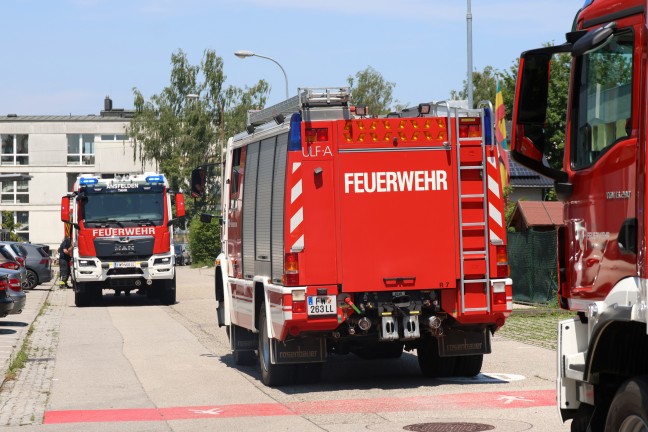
(244, 54)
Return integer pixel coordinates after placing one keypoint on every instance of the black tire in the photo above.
(272, 375)
(31, 281)
(629, 409)
(81, 297)
(168, 292)
(432, 365)
(469, 366)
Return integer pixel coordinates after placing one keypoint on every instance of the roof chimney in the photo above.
(107, 104)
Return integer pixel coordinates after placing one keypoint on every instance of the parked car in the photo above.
(9, 259)
(38, 263)
(6, 302)
(15, 290)
(182, 256)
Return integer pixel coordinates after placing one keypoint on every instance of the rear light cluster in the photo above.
(316, 135)
(502, 261)
(469, 127)
(21, 261)
(499, 293)
(299, 301)
(14, 284)
(4, 283)
(291, 269)
(11, 265)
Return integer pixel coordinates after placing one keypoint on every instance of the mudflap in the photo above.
(299, 350)
(242, 339)
(459, 343)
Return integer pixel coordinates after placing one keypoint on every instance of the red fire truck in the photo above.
(121, 237)
(344, 233)
(603, 351)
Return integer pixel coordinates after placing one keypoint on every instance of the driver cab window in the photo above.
(604, 96)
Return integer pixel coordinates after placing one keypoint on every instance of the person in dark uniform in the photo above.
(65, 255)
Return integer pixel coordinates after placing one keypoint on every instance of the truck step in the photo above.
(472, 196)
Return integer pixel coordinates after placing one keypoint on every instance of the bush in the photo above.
(204, 241)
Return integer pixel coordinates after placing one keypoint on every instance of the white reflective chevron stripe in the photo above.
(493, 186)
(296, 166)
(296, 220)
(495, 214)
(296, 191)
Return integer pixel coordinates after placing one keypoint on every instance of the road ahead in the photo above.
(135, 365)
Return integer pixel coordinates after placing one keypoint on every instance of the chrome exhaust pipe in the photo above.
(364, 324)
(436, 325)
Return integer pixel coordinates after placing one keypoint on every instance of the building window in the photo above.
(81, 149)
(114, 137)
(14, 149)
(20, 223)
(14, 192)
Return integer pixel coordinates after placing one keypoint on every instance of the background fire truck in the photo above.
(349, 234)
(121, 236)
(603, 352)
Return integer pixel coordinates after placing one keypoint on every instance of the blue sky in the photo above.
(63, 57)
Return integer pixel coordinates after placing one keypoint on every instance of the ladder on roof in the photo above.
(474, 170)
(306, 98)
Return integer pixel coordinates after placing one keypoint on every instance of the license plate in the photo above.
(321, 305)
(125, 264)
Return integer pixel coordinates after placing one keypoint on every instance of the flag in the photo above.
(500, 135)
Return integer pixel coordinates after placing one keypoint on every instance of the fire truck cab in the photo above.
(603, 351)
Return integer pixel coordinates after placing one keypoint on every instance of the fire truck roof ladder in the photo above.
(306, 98)
(484, 201)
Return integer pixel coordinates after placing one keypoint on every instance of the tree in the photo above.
(178, 133)
(370, 89)
(484, 86)
(10, 226)
(204, 241)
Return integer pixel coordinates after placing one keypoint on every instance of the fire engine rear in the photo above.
(121, 237)
(349, 234)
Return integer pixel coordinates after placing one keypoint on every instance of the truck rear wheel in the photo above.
(272, 375)
(432, 365)
(168, 292)
(469, 366)
(82, 294)
(629, 408)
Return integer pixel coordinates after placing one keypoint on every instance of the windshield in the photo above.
(604, 99)
(118, 208)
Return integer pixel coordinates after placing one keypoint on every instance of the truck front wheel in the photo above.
(629, 408)
(168, 293)
(271, 374)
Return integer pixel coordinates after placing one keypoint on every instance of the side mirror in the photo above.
(198, 176)
(65, 209)
(180, 205)
(593, 39)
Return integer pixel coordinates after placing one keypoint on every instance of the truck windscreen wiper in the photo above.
(105, 222)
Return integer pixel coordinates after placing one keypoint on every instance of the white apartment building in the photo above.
(54, 150)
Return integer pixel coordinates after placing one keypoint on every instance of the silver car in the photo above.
(11, 260)
(14, 290)
(38, 263)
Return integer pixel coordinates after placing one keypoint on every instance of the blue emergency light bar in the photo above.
(84, 181)
(294, 136)
(155, 179)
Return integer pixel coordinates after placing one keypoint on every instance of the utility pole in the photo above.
(470, 65)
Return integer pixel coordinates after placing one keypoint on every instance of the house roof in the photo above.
(539, 213)
(521, 176)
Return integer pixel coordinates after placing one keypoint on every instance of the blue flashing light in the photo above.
(85, 181)
(488, 125)
(587, 3)
(294, 136)
(155, 179)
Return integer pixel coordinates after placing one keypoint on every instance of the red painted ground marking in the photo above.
(490, 400)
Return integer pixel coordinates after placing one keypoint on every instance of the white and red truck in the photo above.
(349, 234)
(603, 352)
(121, 236)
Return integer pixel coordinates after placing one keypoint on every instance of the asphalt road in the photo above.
(135, 365)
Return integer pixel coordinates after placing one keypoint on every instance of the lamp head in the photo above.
(243, 54)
